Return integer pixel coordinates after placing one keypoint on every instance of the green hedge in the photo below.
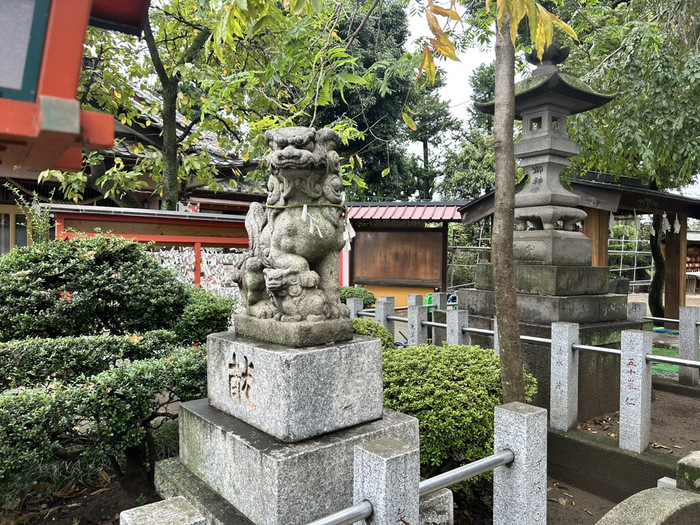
(373, 329)
(368, 298)
(101, 415)
(32, 362)
(453, 391)
(85, 286)
(93, 285)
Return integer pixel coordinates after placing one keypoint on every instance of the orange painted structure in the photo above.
(162, 228)
(41, 124)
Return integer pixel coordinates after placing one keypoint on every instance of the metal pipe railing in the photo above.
(347, 516)
(396, 318)
(433, 324)
(599, 349)
(447, 479)
(672, 361)
(481, 331)
(661, 319)
(364, 510)
(532, 339)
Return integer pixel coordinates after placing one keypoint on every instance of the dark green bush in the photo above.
(28, 421)
(92, 285)
(111, 414)
(373, 329)
(204, 314)
(453, 391)
(368, 298)
(33, 362)
(84, 286)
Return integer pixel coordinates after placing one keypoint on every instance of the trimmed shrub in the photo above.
(84, 286)
(368, 298)
(32, 362)
(204, 314)
(28, 419)
(373, 329)
(112, 414)
(453, 391)
(92, 285)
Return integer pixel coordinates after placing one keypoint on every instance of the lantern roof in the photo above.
(549, 86)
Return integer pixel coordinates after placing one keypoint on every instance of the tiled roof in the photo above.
(416, 211)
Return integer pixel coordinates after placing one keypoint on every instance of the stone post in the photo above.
(635, 391)
(636, 310)
(520, 489)
(563, 393)
(387, 473)
(417, 314)
(689, 342)
(439, 301)
(496, 346)
(383, 308)
(457, 321)
(439, 335)
(355, 304)
(688, 472)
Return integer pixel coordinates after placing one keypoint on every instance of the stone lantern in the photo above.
(554, 279)
(545, 212)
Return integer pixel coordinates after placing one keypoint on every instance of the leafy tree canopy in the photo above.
(644, 50)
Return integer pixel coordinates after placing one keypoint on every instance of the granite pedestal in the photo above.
(274, 443)
(294, 393)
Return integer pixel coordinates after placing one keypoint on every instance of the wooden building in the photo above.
(400, 247)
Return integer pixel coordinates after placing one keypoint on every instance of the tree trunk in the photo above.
(426, 173)
(170, 161)
(512, 379)
(656, 289)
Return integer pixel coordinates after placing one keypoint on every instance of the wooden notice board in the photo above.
(399, 257)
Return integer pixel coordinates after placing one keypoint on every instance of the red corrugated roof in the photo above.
(421, 211)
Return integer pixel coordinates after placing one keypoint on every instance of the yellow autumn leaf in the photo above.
(148, 123)
(449, 13)
(123, 120)
(517, 13)
(117, 94)
(409, 121)
(433, 23)
(445, 47)
(427, 65)
(566, 27)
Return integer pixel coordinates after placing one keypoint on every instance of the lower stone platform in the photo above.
(550, 280)
(271, 482)
(174, 479)
(550, 309)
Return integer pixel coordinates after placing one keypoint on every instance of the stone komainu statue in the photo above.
(291, 272)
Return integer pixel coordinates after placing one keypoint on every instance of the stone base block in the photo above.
(552, 247)
(173, 511)
(550, 280)
(298, 334)
(296, 393)
(550, 309)
(174, 479)
(272, 482)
